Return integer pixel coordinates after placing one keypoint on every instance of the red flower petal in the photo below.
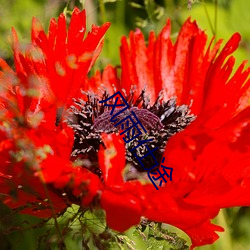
(67, 57)
(107, 78)
(112, 159)
(205, 154)
(122, 210)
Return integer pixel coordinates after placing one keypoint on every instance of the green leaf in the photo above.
(157, 237)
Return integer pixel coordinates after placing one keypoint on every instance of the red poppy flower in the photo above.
(36, 143)
(210, 156)
(195, 114)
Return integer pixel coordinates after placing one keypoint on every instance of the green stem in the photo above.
(208, 17)
(120, 12)
(215, 17)
(53, 211)
(103, 11)
(82, 2)
(225, 238)
(169, 4)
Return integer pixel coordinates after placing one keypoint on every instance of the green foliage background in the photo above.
(219, 17)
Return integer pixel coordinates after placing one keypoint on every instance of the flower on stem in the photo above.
(36, 143)
(210, 156)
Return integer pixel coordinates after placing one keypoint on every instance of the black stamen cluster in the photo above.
(89, 119)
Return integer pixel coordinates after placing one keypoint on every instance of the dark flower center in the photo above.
(148, 120)
(90, 118)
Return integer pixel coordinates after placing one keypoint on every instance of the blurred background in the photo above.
(218, 17)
